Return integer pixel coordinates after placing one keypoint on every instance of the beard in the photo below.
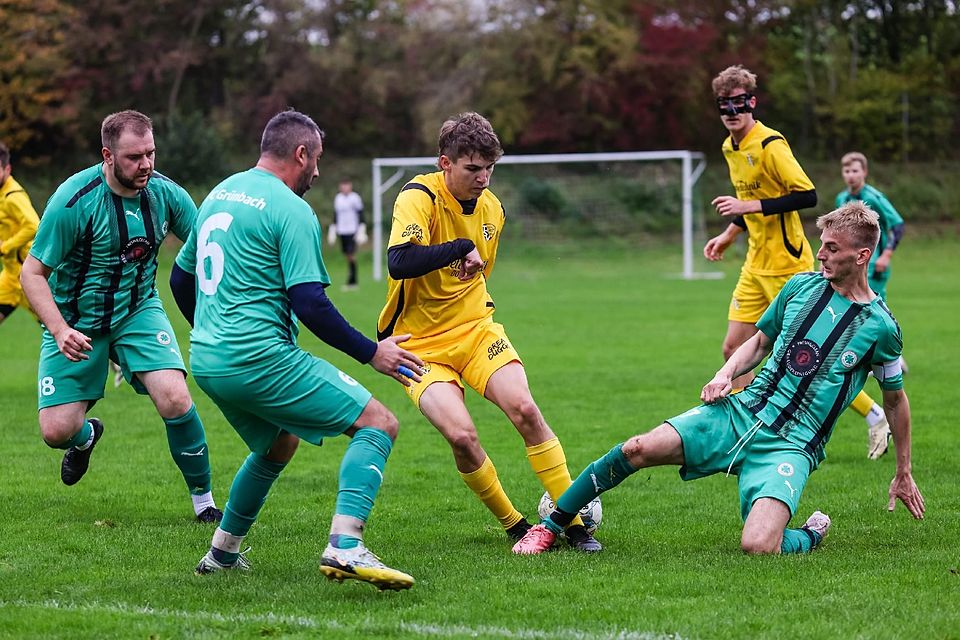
(128, 182)
(304, 180)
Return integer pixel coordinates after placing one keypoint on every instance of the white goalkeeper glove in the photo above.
(332, 235)
(361, 236)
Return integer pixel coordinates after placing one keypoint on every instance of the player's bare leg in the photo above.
(442, 404)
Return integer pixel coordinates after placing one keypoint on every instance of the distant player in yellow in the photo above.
(771, 187)
(18, 226)
(443, 245)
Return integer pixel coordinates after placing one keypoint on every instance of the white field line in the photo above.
(367, 624)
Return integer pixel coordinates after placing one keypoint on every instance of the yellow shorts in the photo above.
(468, 354)
(753, 294)
(11, 294)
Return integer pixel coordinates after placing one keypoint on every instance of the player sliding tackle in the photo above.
(824, 332)
(255, 252)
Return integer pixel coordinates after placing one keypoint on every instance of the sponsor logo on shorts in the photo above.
(489, 231)
(497, 348)
(735, 304)
(164, 338)
(792, 490)
(164, 227)
(803, 358)
(350, 381)
(413, 230)
(849, 359)
(785, 469)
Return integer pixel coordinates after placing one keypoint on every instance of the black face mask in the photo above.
(734, 105)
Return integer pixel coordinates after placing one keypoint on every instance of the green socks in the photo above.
(80, 438)
(188, 446)
(799, 541)
(248, 493)
(601, 475)
(361, 472)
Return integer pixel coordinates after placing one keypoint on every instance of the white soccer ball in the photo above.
(592, 514)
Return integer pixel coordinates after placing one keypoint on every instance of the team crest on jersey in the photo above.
(803, 358)
(413, 230)
(489, 231)
(137, 249)
(163, 338)
(849, 359)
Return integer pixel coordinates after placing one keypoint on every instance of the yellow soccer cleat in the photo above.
(362, 564)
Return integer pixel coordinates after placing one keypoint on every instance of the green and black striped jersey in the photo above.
(102, 247)
(824, 347)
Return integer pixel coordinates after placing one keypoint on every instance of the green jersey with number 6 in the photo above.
(254, 238)
(824, 347)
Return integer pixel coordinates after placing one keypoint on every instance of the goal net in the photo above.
(557, 197)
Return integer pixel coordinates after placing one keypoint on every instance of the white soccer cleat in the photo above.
(208, 564)
(362, 564)
(819, 523)
(878, 439)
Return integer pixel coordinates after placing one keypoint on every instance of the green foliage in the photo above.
(190, 150)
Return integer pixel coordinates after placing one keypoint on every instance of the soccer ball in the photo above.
(592, 514)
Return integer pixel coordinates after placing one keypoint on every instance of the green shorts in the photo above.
(297, 392)
(767, 465)
(143, 341)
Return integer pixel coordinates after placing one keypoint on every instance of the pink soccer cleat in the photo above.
(537, 540)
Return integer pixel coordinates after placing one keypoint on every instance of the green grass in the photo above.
(612, 347)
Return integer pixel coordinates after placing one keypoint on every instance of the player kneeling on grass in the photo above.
(825, 331)
(254, 254)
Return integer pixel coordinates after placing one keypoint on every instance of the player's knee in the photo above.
(729, 346)
(57, 431)
(283, 448)
(389, 425)
(526, 416)
(638, 450)
(464, 442)
(756, 543)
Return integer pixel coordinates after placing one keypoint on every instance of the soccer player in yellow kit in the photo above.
(18, 226)
(443, 245)
(771, 186)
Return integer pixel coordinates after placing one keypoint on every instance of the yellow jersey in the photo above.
(762, 166)
(18, 223)
(426, 213)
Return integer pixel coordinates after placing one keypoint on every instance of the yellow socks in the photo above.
(485, 483)
(550, 465)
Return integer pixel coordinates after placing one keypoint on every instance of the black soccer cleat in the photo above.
(579, 539)
(517, 531)
(75, 462)
(210, 515)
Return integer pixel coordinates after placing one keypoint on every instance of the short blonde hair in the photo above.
(854, 156)
(734, 77)
(857, 220)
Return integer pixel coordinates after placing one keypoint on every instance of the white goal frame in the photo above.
(690, 173)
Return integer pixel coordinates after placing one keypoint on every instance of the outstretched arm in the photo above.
(744, 359)
(902, 487)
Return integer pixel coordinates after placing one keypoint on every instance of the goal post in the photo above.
(692, 165)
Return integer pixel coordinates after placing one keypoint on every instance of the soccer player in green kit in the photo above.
(824, 332)
(249, 270)
(854, 167)
(98, 239)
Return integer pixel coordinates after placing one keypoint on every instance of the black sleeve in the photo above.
(793, 201)
(410, 260)
(896, 231)
(183, 285)
(738, 220)
(316, 311)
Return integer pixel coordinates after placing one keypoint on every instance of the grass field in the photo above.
(612, 347)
